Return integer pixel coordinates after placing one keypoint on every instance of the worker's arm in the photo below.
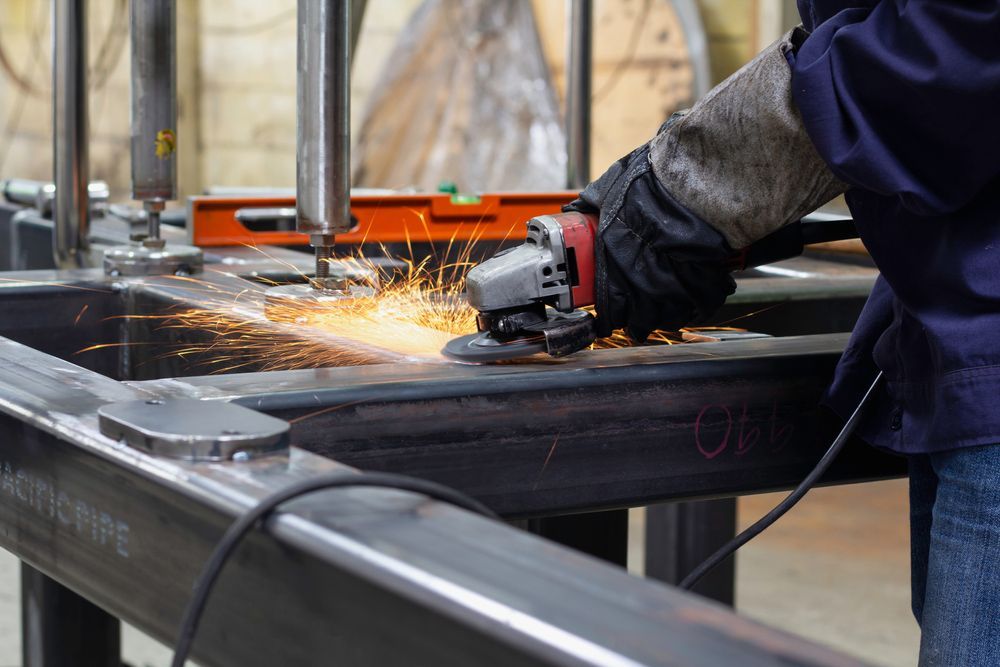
(736, 167)
(903, 99)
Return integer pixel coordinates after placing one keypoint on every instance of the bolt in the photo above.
(241, 456)
(323, 255)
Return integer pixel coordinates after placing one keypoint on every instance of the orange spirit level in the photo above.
(392, 218)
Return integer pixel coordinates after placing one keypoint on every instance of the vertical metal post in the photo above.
(578, 92)
(603, 535)
(61, 629)
(154, 108)
(70, 159)
(323, 183)
(679, 536)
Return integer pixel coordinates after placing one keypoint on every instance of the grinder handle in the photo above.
(790, 240)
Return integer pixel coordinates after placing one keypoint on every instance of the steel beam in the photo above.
(349, 577)
(606, 429)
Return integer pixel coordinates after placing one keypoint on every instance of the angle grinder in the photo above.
(530, 298)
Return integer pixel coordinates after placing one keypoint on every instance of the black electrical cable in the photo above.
(246, 523)
(730, 547)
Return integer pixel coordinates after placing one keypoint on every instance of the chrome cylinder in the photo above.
(324, 120)
(154, 105)
(22, 191)
(69, 118)
(579, 40)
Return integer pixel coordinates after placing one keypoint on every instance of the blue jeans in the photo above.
(955, 555)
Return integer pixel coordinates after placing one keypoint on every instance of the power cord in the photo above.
(762, 524)
(245, 524)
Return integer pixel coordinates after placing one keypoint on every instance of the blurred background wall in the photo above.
(236, 71)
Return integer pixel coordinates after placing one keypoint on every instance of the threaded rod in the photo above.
(323, 255)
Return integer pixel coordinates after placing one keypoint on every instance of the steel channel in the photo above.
(349, 577)
(605, 429)
(70, 157)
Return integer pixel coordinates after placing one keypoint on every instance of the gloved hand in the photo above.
(733, 169)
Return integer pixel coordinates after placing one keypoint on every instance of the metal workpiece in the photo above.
(154, 100)
(193, 430)
(337, 283)
(152, 259)
(579, 59)
(361, 576)
(599, 430)
(70, 157)
(281, 300)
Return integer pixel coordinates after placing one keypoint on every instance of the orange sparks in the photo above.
(415, 312)
(80, 314)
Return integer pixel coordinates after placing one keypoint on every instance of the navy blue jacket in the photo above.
(902, 99)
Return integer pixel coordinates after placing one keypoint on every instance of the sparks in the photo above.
(415, 312)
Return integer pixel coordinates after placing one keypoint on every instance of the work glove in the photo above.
(735, 168)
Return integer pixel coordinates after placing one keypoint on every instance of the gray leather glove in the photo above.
(735, 168)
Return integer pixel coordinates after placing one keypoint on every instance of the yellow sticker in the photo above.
(166, 144)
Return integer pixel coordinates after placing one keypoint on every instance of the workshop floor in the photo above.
(835, 569)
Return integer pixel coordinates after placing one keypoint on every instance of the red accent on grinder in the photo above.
(579, 231)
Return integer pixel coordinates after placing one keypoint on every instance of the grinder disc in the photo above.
(481, 347)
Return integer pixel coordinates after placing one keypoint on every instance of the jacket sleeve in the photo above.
(903, 99)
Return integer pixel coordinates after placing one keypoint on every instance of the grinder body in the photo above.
(529, 298)
(532, 294)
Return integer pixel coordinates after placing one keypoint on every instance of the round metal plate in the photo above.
(139, 260)
(480, 347)
(192, 429)
(283, 301)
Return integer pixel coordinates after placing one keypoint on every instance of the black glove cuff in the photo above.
(658, 265)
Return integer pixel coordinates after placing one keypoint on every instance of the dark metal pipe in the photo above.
(579, 41)
(70, 158)
(324, 121)
(61, 629)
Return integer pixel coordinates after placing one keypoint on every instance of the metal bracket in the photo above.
(140, 260)
(194, 430)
